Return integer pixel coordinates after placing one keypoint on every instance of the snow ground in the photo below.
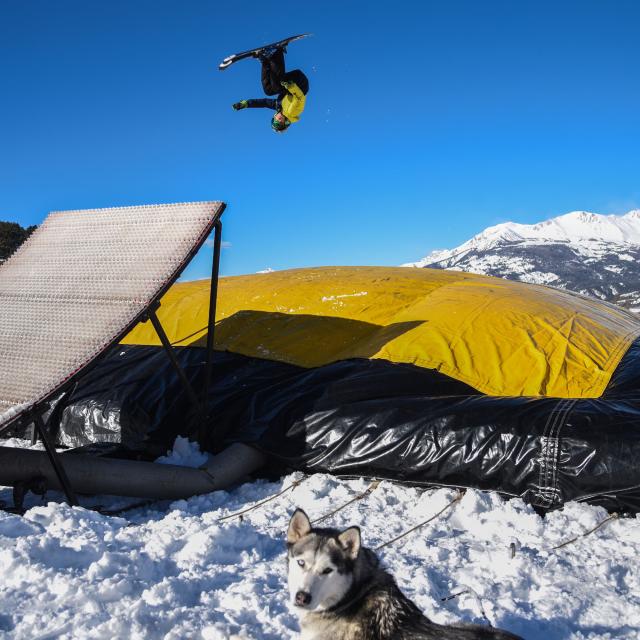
(174, 571)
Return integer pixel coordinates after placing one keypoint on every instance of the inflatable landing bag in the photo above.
(415, 375)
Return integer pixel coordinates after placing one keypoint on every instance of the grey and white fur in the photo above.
(340, 592)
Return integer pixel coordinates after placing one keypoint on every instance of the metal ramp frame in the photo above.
(77, 286)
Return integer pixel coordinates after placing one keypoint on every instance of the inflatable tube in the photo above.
(94, 475)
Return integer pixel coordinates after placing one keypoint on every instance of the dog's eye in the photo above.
(327, 571)
(301, 563)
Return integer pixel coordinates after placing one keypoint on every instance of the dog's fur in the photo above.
(340, 592)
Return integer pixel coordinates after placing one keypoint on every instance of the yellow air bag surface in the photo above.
(500, 337)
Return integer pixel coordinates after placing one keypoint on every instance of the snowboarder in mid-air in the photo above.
(290, 87)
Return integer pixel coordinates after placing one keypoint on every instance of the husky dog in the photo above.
(340, 592)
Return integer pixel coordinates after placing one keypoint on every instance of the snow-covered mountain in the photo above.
(593, 254)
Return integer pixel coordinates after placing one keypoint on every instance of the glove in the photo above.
(243, 104)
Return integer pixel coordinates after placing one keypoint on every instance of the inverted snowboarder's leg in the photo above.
(272, 72)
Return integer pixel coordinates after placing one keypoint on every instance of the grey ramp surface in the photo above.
(79, 283)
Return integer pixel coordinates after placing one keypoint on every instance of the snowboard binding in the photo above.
(264, 52)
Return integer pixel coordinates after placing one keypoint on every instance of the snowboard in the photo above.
(235, 57)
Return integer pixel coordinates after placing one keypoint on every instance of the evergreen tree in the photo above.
(12, 235)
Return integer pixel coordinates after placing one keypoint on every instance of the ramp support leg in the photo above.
(213, 297)
(54, 458)
(174, 362)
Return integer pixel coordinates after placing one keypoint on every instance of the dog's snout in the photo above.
(303, 598)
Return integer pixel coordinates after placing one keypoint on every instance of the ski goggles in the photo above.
(279, 126)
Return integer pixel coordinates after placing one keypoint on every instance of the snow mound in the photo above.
(184, 454)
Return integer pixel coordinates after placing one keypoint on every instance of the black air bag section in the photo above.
(375, 418)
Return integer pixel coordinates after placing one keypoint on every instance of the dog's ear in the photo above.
(299, 526)
(351, 542)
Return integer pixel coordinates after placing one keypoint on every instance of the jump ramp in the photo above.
(68, 295)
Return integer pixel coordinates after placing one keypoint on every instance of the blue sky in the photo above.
(426, 121)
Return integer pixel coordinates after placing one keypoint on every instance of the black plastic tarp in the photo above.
(375, 418)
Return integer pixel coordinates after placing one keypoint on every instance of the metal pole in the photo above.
(56, 463)
(213, 297)
(172, 357)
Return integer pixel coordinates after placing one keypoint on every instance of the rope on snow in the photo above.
(361, 496)
(422, 524)
(474, 593)
(240, 514)
(613, 516)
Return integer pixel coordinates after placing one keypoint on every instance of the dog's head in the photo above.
(321, 563)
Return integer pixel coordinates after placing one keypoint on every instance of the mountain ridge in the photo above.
(589, 253)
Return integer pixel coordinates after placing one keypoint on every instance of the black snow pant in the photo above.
(273, 73)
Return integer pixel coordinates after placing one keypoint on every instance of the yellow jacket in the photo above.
(293, 102)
